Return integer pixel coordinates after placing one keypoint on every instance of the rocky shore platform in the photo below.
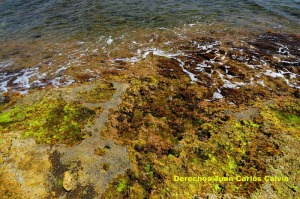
(209, 119)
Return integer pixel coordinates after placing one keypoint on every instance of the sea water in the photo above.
(42, 40)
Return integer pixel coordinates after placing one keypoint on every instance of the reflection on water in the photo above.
(90, 18)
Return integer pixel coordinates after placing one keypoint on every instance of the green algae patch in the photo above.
(57, 115)
(11, 116)
(283, 117)
(48, 120)
(288, 117)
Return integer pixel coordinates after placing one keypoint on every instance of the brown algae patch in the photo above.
(171, 131)
(173, 127)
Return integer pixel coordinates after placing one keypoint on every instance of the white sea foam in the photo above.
(283, 50)
(273, 74)
(261, 82)
(26, 79)
(201, 66)
(3, 86)
(89, 70)
(293, 75)
(159, 52)
(23, 80)
(29, 78)
(206, 46)
(289, 62)
(95, 50)
(130, 60)
(254, 66)
(61, 69)
(190, 74)
(229, 85)
(57, 82)
(293, 85)
(218, 95)
(109, 41)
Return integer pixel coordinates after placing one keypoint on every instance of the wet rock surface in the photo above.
(211, 107)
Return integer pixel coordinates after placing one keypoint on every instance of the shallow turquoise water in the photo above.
(91, 18)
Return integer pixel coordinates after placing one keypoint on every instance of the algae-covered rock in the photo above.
(172, 126)
(59, 116)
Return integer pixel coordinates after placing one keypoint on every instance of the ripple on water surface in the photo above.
(88, 18)
(57, 43)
